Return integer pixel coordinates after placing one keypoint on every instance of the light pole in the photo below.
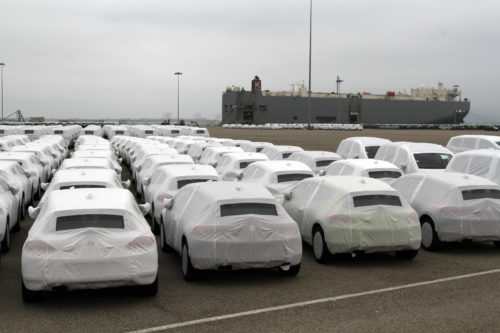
(1, 83)
(178, 118)
(310, 45)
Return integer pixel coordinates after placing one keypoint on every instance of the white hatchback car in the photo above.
(347, 214)
(360, 147)
(460, 143)
(229, 225)
(86, 239)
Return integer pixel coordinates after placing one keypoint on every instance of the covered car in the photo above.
(231, 165)
(360, 147)
(385, 171)
(254, 147)
(482, 162)
(460, 143)
(276, 176)
(348, 214)
(413, 157)
(280, 152)
(211, 155)
(86, 239)
(453, 207)
(318, 161)
(10, 214)
(230, 225)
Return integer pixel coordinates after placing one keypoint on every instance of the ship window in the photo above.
(432, 160)
(294, 118)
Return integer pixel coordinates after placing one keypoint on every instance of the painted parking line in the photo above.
(316, 301)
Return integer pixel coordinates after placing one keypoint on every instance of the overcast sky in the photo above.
(116, 58)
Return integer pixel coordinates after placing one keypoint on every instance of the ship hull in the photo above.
(255, 108)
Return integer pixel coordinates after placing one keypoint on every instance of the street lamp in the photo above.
(1, 83)
(178, 118)
(310, 44)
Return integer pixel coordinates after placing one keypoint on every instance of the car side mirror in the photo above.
(126, 184)
(45, 186)
(146, 181)
(402, 166)
(14, 189)
(322, 172)
(145, 208)
(288, 196)
(239, 175)
(33, 212)
(168, 203)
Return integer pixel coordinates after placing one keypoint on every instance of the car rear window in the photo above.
(258, 150)
(89, 132)
(29, 132)
(481, 194)
(377, 199)
(286, 155)
(384, 174)
(293, 177)
(174, 132)
(243, 165)
(432, 160)
(324, 163)
(148, 132)
(248, 208)
(119, 132)
(58, 132)
(90, 221)
(184, 182)
(81, 186)
(200, 131)
(371, 151)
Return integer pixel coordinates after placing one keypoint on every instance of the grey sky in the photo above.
(107, 59)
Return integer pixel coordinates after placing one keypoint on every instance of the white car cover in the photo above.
(89, 257)
(483, 163)
(240, 241)
(329, 202)
(442, 199)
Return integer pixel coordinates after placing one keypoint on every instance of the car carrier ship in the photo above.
(421, 106)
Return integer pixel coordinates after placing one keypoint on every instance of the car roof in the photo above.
(91, 198)
(281, 165)
(182, 170)
(225, 190)
(367, 140)
(420, 147)
(349, 184)
(453, 179)
(66, 175)
(245, 155)
(367, 164)
(316, 154)
(282, 148)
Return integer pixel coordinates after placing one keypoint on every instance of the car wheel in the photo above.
(430, 240)
(406, 254)
(30, 296)
(163, 239)
(150, 289)
(154, 226)
(23, 208)
(17, 226)
(188, 271)
(320, 249)
(39, 192)
(289, 270)
(497, 244)
(32, 199)
(5, 245)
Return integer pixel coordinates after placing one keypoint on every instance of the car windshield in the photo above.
(90, 221)
(293, 177)
(432, 160)
(286, 155)
(243, 165)
(248, 208)
(184, 182)
(481, 194)
(377, 199)
(324, 163)
(371, 151)
(384, 174)
(67, 187)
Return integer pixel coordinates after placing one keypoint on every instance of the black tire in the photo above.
(292, 270)
(39, 191)
(150, 289)
(155, 228)
(32, 199)
(163, 239)
(5, 245)
(320, 249)
(430, 239)
(30, 296)
(188, 271)
(497, 244)
(17, 226)
(406, 254)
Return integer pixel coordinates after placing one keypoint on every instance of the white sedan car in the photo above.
(87, 239)
(453, 207)
(229, 225)
(347, 214)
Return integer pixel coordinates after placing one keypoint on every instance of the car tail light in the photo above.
(412, 217)
(161, 196)
(287, 228)
(449, 210)
(338, 217)
(142, 243)
(38, 246)
(205, 229)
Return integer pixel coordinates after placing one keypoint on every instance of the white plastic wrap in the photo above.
(89, 257)
(454, 218)
(327, 201)
(239, 241)
(483, 163)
